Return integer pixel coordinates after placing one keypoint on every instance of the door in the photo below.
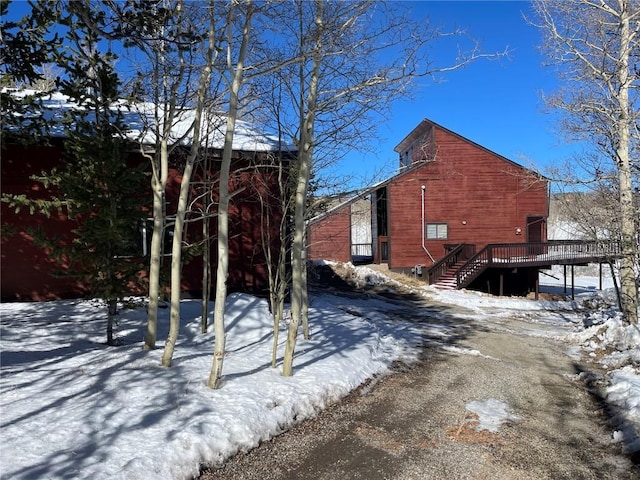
(536, 235)
(535, 229)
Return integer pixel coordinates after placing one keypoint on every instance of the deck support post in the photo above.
(537, 297)
(600, 275)
(501, 284)
(564, 292)
(573, 283)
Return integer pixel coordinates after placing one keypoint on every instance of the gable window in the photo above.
(437, 231)
(406, 158)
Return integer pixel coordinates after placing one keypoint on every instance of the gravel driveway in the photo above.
(416, 423)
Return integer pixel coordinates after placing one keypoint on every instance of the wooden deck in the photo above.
(513, 255)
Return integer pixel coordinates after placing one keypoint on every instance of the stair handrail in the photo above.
(462, 251)
(473, 267)
(439, 268)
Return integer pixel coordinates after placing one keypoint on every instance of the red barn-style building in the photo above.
(450, 194)
(29, 273)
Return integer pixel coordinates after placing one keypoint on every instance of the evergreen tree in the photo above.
(26, 48)
(102, 190)
(95, 186)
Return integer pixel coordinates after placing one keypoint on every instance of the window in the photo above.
(146, 232)
(384, 251)
(406, 158)
(381, 212)
(437, 231)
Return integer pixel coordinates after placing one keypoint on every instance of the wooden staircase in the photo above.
(447, 280)
(443, 273)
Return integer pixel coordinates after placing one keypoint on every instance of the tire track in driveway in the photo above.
(415, 424)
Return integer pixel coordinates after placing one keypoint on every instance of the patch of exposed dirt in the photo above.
(467, 432)
(344, 277)
(551, 297)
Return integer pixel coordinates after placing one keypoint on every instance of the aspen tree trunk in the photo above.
(159, 184)
(281, 283)
(305, 155)
(206, 256)
(176, 250)
(305, 293)
(273, 265)
(222, 271)
(276, 328)
(275, 301)
(598, 53)
(297, 258)
(176, 262)
(167, 87)
(206, 280)
(278, 271)
(280, 290)
(628, 285)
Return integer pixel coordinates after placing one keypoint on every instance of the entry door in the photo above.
(535, 229)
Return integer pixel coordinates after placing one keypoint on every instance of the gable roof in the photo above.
(414, 135)
(140, 119)
(426, 123)
(350, 197)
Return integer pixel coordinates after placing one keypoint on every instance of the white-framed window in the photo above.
(437, 231)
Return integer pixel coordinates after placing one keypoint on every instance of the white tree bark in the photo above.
(206, 261)
(176, 250)
(158, 187)
(223, 201)
(166, 80)
(275, 261)
(628, 286)
(305, 156)
(341, 83)
(595, 45)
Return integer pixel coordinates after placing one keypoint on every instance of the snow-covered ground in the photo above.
(70, 407)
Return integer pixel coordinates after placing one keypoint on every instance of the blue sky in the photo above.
(496, 103)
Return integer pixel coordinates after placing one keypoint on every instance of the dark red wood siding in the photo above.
(27, 269)
(482, 197)
(329, 238)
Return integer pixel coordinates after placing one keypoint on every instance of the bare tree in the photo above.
(211, 50)
(595, 46)
(235, 69)
(337, 89)
(159, 42)
(590, 213)
(236, 72)
(166, 88)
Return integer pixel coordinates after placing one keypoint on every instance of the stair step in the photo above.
(448, 281)
(446, 284)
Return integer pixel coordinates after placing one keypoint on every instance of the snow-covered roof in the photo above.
(140, 118)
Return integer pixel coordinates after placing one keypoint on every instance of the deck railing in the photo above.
(361, 250)
(535, 254)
